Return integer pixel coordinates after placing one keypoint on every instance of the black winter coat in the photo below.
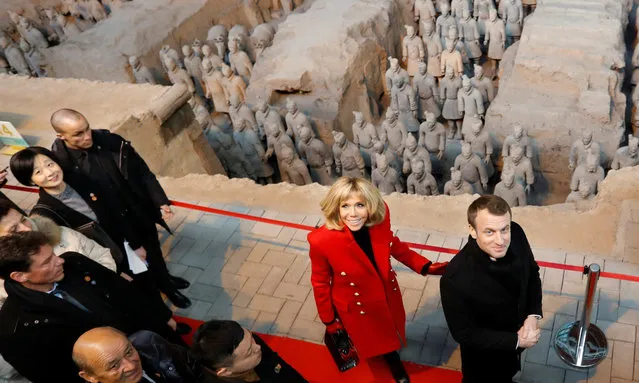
(164, 361)
(483, 315)
(38, 330)
(130, 177)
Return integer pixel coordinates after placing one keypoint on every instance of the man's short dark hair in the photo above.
(16, 251)
(494, 204)
(5, 207)
(23, 161)
(215, 341)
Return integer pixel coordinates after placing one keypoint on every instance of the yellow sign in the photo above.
(11, 139)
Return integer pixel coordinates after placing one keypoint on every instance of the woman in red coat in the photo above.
(353, 282)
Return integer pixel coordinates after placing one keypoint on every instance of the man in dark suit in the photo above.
(53, 300)
(103, 161)
(105, 355)
(491, 294)
(227, 352)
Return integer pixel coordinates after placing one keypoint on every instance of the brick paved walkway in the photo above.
(259, 275)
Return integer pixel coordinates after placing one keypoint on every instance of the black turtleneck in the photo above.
(363, 239)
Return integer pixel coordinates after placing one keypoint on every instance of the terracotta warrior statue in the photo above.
(240, 62)
(193, 66)
(233, 85)
(589, 170)
(420, 181)
(96, 9)
(484, 85)
(32, 35)
(451, 56)
(34, 57)
(15, 56)
(70, 28)
(229, 153)
(404, 101)
(481, 143)
(457, 185)
(481, 13)
(427, 92)
(584, 193)
(178, 75)
(265, 114)
(394, 132)
(581, 148)
(240, 34)
(449, 88)
(242, 115)
(627, 156)
(214, 87)
(521, 166)
(317, 156)
(391, 156)
(444, 22)
(495, 38)
(469, 33)
(470, 105)
(217, 36)
(348, 160)
(208, 55)
(252, 148)
(262, 38)
(457, 8)
(141, 73)
(472, 168)
(294, 168)
(393, 73)
(510, 190)
(364, 136)
(518, 138)
(52, 17)
(412, 50)
(432, 136)
(433, 46)
(413, 151)
(386, 178)
(295, 119)
(167, 51)
(424, 11)
(275, 141)
(513, 17)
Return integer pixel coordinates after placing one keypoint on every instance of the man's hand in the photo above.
(531, 324)
(141, 253)
(527, 339)
(172, 323)
(126, 276)
(166, 212)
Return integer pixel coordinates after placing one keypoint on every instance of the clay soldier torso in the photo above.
(243, 116)
(449, 88)
(463, 188)
(485, 87)
(215, 90)
(278, 143)
(391, 159)
(16, 59)
(514, 195)
(414, 48)
(623, 159)
(594, 178)
(293, 124)
(457, 8)
(434, 50)
(481, 11)
(193, 66)
(453, 59)
(497, 38)
(424, 11)
(241, 63)
(579, 152)
(395, 134)
(391, 77)
(469, 31)
(252, 148)
(143, 76)
(36, 62)
(215, 60)
(481, 144)
(269, 117)
(433, 140)
(523, 142)
(319, 160)
(404, 102)
(428, 94)
(35, 38)
(297, 172)
(349, 159)
(387, 182)
(365, 136)
(442, 25)
(473, 171)
(234, 86)
(425, 185)
(470, 104)
(57, 29)
(418, 152)
(524, 174)
(512, 14)
(229, 153)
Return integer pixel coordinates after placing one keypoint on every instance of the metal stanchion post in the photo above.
(581, 344)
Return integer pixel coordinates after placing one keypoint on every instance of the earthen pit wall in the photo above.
(585, 228)
(156, 119)
(101, 53)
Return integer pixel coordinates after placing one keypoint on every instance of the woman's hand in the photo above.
(437, 268)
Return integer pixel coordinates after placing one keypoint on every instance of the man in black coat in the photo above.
(491, 294)
(128, 189)
(229, 353)
(53, 300)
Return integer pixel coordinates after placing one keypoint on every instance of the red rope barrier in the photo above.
(270, 221)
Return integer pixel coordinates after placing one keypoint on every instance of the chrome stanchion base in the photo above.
(595, 350)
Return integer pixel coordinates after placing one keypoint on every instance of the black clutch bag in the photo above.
(341, 348)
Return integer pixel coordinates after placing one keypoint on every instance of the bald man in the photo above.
(105, 355)
(126, 196)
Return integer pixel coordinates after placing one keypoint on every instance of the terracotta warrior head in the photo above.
(449, 72)
(517, 153)
(479, 71)
(197, 47)
(586, 137)
(291, 106)
(466, 14)
(134, 61)
(417, 167)
(170, 64)
(411, 142)
(273, 130)
(477, 126)
(466, 84)
(207, 66)
(422, 67)
(401, 82)
(261, 106)
(382, 162)
(378, 147)
(492, 14)
(287, 154)
(206, 50)
(187, 51)
(508, 177)
(391, 116)
(585, 188)
(410, 30)
(518, 131)
(233, 45)
(227, 71)
(445, 8)
(305, 134)
(359, 118)
(592, 162)
(633, 145)
(339, 138)
(466, 150)
(428, 27)
(456, 177)
(394, 64)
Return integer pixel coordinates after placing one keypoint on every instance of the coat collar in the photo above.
(380, 250)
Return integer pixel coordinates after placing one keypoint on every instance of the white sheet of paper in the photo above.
(136, 264)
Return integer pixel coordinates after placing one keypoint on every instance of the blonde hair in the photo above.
(341, 190)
